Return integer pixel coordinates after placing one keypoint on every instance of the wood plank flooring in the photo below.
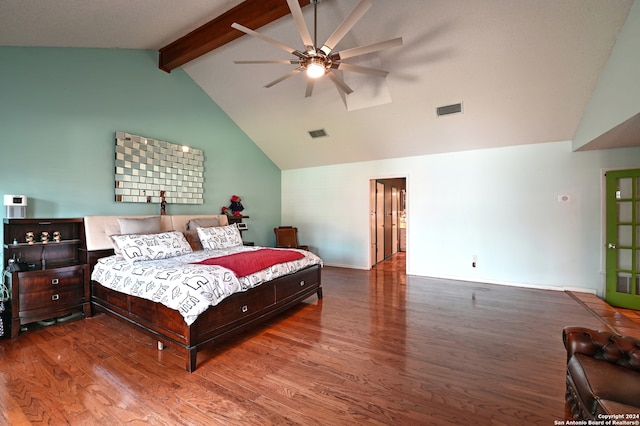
(381, 348)
(622, 321)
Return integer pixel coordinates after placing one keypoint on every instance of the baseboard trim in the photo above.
(514, 284)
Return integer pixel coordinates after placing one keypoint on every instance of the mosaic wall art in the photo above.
(144, 167)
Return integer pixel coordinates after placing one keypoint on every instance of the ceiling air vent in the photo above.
(317, 133)
(449, 109)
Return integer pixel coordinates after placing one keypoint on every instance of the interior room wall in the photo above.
(500, 205)
(617, 95)
(60, 109)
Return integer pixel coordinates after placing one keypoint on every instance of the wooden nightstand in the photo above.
(56, 280)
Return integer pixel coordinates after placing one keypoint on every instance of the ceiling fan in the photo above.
(320, 61)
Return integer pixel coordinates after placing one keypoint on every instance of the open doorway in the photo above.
(388, 225)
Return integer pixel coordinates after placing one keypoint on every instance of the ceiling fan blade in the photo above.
(364, 70)
(309, 91)
(269, 40)
(296, 12)
(280, 61)
(345, 26)
(284, 77)
(369, 48)
(341, 85)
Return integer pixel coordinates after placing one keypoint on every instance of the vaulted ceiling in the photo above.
(523, 70)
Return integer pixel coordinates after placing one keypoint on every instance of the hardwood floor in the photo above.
(380, 348)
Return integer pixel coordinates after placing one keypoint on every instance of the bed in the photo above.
(204, 295)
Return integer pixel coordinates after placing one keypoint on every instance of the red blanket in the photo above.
(249, 262)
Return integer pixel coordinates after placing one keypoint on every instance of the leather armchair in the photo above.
(603, 373)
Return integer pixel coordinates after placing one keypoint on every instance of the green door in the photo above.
(623, 238)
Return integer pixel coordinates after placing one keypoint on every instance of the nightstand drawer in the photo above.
(37, 281)
(52, 299)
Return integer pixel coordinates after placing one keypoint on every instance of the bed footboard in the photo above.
(235, 314)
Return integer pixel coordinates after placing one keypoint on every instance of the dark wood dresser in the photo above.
(48, 279)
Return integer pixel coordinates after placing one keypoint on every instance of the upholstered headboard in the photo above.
(98, 228)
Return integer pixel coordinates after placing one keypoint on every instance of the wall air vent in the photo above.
(317, 133)
(449, 109)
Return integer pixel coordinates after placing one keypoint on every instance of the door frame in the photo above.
(371, 185)
(614, 297)
(395, 220)
(381, 223)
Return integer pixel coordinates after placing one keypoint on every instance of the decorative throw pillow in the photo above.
(193, 239)
(219, 237)
(147, 225)
(127, 226)
(203, 222)
(152, 246)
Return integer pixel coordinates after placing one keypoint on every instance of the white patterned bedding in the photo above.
(190, 289)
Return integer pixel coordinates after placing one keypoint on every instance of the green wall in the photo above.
(60, 108)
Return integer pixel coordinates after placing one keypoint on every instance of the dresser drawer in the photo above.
(52, 299)
(289, 286)
(37, 281)
(239, 306)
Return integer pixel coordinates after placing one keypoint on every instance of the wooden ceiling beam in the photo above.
(218, 32)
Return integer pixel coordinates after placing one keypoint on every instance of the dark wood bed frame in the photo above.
(235, 314)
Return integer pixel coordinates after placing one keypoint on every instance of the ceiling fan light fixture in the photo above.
(316, 68)
(320, 62)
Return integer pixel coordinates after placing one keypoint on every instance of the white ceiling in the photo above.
(524, 70)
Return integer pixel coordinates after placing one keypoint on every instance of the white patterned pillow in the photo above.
(152, 246)
(219, 237)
